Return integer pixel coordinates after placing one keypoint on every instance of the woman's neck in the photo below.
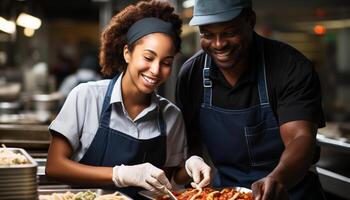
(134, 100)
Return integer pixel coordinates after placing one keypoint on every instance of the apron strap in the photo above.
(207, 84)
(262, 85)
(161, 123)
(107, 107)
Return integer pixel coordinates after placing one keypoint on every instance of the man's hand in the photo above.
(269, 188)
(198, 170)
(143, 175)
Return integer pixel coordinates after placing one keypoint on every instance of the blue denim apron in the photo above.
(111, 147)
(245, 145)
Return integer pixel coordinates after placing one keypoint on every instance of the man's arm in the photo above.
(299, 138)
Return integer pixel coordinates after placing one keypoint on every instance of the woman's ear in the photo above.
(126, 54)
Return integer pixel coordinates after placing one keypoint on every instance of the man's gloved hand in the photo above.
(143, 175)
(198, 170)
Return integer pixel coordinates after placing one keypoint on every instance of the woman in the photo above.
(119, 131)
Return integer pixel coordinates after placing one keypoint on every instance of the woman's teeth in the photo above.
(149, 80)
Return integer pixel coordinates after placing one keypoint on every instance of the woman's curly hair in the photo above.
(113, 38)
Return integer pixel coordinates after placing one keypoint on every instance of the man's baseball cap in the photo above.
(214, 11)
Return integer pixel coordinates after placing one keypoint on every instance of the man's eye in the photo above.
(229, 34)
(207, 35)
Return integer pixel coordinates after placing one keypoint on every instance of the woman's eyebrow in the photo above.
(154, 53)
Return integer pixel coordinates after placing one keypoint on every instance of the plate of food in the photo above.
(207, 193)
(80, 194)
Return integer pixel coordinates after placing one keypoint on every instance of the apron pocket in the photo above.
(265, 145)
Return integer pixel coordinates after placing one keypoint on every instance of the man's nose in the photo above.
(219, 41)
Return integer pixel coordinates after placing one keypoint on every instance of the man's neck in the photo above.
(232, 74)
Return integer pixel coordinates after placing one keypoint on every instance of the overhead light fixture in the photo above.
(188, 3)
(319, 29)
(28, 32)
(7, 26)
(28, 21)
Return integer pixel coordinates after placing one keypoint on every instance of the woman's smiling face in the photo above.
(150, 61)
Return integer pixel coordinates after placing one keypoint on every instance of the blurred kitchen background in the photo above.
(42, 42)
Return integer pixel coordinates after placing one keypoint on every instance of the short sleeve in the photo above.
(70, 119)
(299, 95)
(176, 138)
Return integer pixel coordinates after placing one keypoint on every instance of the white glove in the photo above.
(198, 170)
(143, 175)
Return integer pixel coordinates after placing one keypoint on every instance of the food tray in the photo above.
(97, 191)
(152, 196)
(19, 181)
(32, 164)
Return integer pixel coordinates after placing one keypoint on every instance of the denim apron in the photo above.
(245, 145)
(111, 147)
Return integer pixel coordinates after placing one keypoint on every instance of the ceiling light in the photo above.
(28, 32)
(319, 29)
(7, 26)
(28, 21)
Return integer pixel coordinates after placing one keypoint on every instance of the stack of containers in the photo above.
(18, 181)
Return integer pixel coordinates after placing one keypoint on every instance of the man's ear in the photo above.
(252, 19)
(126, 54)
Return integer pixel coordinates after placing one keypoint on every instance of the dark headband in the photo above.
(147, 26)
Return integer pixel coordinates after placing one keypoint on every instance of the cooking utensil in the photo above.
(171, 195)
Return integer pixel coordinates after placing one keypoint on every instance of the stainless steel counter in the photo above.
(334, 166)
(34, 138)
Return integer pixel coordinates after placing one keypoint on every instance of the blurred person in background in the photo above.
(87, 71)
(66, 62)
(120, 131)
(254, 103)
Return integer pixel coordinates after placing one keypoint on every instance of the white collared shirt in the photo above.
(79, 118)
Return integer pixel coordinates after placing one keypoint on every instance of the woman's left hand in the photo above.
(269, 188)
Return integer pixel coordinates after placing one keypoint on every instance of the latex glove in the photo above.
(143, 175)
(198, 170)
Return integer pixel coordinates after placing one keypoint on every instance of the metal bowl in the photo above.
(46, 102)
(9, 107)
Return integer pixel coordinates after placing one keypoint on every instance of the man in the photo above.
(255, 103)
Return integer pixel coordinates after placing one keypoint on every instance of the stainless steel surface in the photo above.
(29, 136)
(334, 183)
(340, 144)
(333, 166)
(19, 181)
(47, 102)
(9, 107)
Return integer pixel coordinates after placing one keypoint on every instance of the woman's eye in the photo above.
(147, 58)
(167, 63)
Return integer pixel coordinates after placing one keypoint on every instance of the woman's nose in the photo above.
(155, 68)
